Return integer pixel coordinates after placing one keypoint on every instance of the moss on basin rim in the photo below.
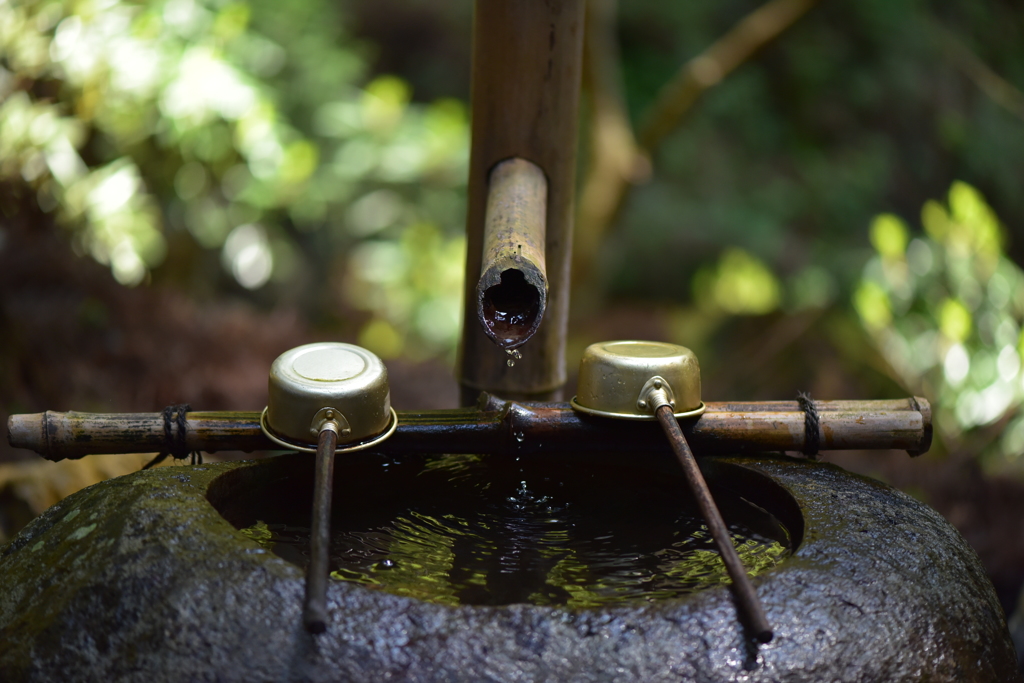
(140, 578)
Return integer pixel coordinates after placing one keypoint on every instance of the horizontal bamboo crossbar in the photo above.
(500, 427)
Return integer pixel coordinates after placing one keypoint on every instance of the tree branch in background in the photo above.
(996, 88)
(707, 69)
(617, 161)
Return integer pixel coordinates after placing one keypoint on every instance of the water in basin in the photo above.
(484, 530)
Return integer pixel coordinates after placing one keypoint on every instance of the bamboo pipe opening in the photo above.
(513, 288)
(511, 309)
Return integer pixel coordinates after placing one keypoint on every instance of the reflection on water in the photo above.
(461, 529)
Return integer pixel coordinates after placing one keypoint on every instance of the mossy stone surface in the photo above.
(141, 579)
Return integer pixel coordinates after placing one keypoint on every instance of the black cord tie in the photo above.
(812, 436)
(176, 440)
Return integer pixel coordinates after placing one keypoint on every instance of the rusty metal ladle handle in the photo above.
(314, 610)
(658, 400)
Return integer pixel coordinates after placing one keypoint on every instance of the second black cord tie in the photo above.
(812, 425)
(176, 440)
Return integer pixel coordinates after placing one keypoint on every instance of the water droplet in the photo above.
(513, 356)
(520, 437)
(511, 363)
(386, 564)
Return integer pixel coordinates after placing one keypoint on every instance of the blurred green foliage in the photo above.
(760, 200)
(860, 107)
(739, 284)
(946, 309)
(248, 125)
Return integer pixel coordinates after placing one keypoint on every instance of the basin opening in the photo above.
(486, 530)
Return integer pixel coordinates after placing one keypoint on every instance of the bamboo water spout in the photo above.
(512, 292)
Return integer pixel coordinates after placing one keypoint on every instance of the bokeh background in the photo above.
(813, 195)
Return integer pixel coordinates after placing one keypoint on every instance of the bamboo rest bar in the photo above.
(509, 428)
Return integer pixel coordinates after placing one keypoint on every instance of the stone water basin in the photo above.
(168, 575)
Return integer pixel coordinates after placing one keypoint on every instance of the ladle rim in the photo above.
(696, 412)
(347, 448)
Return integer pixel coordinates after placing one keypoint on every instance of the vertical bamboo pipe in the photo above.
(527, 65)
